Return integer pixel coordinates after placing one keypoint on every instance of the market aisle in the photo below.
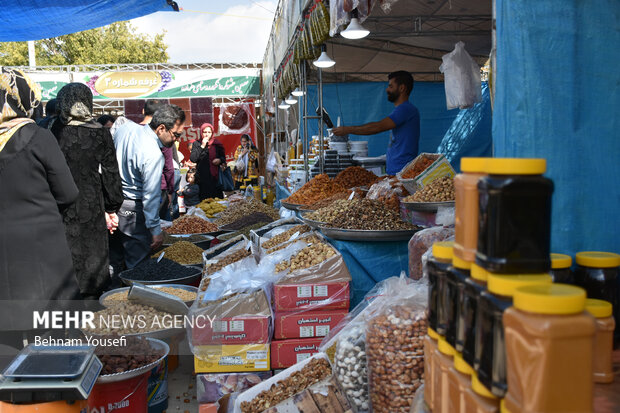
(182, 387)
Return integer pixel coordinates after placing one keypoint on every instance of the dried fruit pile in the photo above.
(310, 256)
(241, 209)
(318, 188)
(191, 225)
(366, 214)
(283, 237)
(418, 167)
(182, 252)
(139, 354)
(355, 176)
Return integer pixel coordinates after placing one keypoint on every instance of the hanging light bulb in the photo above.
(284, 105)
(298, 92)
(355, 30)
(290, 100)
(324, 61)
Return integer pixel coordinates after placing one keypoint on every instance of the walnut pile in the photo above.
(308, 257)
(355, 176)
(319, 187)
(367, 214)
(439, 190)
(314, 372)
(283, 237)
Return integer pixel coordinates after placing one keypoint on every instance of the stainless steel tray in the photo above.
(156, 344)
(292, 207)
(126, 289)
(190, 279)
(311, 223)
(367, 235)
(426, 206)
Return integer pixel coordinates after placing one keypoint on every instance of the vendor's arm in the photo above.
(366, 129)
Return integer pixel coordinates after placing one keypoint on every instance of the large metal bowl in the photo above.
(205, 244)
(126, 289)
(158, 345)
(193, 279)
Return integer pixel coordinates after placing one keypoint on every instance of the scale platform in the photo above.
(50, 373)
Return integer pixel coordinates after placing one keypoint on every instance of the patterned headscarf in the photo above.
(75, 105)
(19, 96)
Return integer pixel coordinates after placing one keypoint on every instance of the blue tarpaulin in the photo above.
(22, 20)
(557, 97)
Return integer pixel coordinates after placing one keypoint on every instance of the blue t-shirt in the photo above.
(404, 138)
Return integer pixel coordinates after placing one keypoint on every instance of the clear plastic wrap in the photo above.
(389, 191)
(419, 245)
(257, 235)
(418, 405)
(395, 347)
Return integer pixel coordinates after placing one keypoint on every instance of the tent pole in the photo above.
(305, 144)
(321, 149)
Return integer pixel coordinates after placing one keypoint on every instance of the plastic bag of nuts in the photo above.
(395, 348)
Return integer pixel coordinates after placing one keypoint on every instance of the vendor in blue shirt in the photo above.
(404, 122)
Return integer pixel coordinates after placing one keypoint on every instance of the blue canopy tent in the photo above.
(22, 20)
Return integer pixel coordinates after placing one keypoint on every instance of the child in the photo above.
(191, 192)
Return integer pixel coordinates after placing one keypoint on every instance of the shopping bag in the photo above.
(225, 180)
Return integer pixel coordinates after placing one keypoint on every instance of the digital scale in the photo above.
(44, 374)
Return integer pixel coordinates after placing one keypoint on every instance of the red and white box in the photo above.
(285, 353)
(312, 297)
(308, 324)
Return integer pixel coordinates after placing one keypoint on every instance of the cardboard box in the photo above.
(438, 169)
(318, 296)
(231, 358)
(241, 319)
(210, 388)
(286, 353)
(306, 324)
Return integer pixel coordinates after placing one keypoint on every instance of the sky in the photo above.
(213, 31)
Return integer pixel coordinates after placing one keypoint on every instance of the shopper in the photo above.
(246, 161)
(90, 153)
(35, 186)
(106, 121)
(191, 192)
(404, 122)
(138, 151)
(209, 156)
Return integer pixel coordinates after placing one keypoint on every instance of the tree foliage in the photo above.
(115, 43)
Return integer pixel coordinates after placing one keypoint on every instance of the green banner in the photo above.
(220, 87)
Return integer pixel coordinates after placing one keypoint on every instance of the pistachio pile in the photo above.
(182, 252)
(329, 212)
(439, 190)
(364, 214)
(310, 256)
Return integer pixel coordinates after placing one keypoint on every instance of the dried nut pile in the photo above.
(351, 371)
(369, 214)
(310, 256)
(138, 353)
(227, 260)
(253, 218)
(164, 270)
(418, 167)
(338, 196)
(211, 207)
(319, 187)
(170, 239)
(283, 237)
(184, 295)
(312, 239)
(330, 212)
(355, 176)
(238, 210)
(124, 317)
(439, 190)
(191, 225)
(182, 252)
(312, 373)
(395, 351)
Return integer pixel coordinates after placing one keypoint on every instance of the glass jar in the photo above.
(603, 339)
(478, 399)
(549, 350)
(514, 230)
(437, 266)
(459, 381)
(490, 347)
(597, 272)
(474, 286)
(457, 275)
(560, 269)
(466, 207)
(442, 359)
(430, 345)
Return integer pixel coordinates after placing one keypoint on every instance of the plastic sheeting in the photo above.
(22, 20)
(470, 133)
(557, 97)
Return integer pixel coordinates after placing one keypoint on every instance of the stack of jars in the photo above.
(502, 336)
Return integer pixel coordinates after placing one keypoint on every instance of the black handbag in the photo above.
(225, 180)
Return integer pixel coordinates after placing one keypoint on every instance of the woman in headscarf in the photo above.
(246, 161)
(35, 186)
(209, 156)
(90, 153)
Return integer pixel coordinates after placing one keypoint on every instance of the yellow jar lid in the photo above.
(242, 187)
(556, 299)
(432, 334)
(445, 347)
(461, 264)
(253, 176)
(516, 166)
(599, 308)
(559, 261)
(443, 249)
(474, 165)
(479, 388)
(502, 407)
(598, 259)
(461, 365)
(507, 284)
(479, 273)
